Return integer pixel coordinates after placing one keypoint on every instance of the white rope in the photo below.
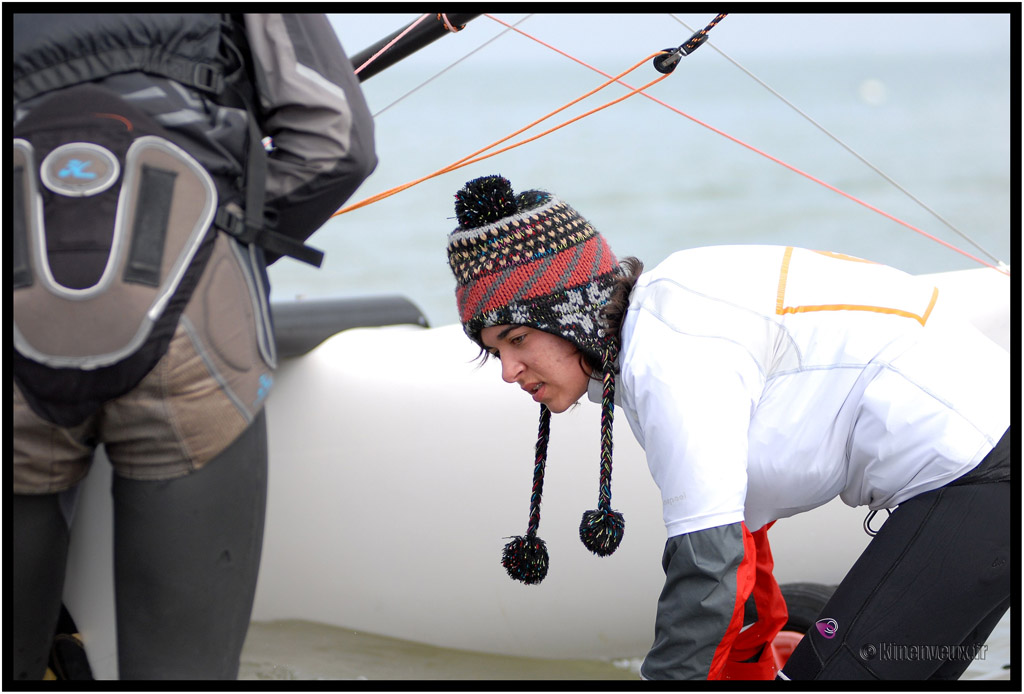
(849, 149)
(431, 79)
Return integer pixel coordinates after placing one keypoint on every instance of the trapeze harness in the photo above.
(113, 220)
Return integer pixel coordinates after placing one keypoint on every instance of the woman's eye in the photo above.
(517, 339)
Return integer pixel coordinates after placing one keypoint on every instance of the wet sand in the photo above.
(299, 650)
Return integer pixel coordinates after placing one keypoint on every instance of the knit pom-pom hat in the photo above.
(531, 259)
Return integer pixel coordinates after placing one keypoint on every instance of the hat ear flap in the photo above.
(601, 530)
(525, 558)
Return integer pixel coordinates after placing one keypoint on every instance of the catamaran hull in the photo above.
(398, 468)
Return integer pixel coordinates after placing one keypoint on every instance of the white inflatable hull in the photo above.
(398, 466)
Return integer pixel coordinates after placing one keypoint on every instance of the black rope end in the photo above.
(667, 61)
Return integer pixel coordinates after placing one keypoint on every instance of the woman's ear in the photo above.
(587, 368)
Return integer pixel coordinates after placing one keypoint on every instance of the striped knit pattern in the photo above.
(545, 267)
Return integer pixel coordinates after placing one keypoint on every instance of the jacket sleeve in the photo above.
(721, 607)
(708, 574)
(314, 110)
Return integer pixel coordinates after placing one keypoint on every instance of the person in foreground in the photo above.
(761, 382)
(146, 208)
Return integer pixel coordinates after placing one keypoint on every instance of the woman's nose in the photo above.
(510, 369)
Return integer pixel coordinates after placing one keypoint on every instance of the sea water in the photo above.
(935, 120)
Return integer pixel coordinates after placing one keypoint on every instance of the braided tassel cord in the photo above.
(601, 530)
(525, 558)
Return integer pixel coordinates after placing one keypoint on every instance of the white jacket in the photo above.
(764, 381)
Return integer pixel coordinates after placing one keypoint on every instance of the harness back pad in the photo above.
(112, 227)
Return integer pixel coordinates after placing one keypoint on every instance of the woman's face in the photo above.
(549, 368)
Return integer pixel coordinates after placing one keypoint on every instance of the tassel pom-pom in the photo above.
(526, 559)
(483, 201)
(601, 531)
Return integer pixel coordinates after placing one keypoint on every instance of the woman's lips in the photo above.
(536, 390)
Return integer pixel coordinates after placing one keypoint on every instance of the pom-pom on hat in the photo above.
(531, 259)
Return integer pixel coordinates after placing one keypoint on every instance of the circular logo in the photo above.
(827, 627)
(79, 169)
(868, 651)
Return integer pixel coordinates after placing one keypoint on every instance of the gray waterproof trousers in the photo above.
(186, 555)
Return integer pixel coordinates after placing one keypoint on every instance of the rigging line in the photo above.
(634, 92)
(849, 149)
(471, 53)
(474, 158)
(1001, 268)
(390, 44)
(668, 63)
(846, 195)
(557, 50)
(571, 103)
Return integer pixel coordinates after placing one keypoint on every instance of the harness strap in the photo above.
(254, 227)
(149, 228)
(22, 268)
(233, 224)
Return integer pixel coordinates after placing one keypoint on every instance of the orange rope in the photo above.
(831, 187)
(765, 154)
(571, 120)
(474, 157)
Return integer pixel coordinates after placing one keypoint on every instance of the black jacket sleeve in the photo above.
(315, 112)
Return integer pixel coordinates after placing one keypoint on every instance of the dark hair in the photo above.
(614, 312)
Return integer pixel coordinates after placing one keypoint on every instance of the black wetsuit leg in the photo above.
(924, 596)
(40, 540)
(186, 557)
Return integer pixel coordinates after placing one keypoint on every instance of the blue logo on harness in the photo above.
(266, 381)
(80, 169)
(76, 168)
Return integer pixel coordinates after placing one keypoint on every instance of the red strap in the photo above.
(745, 579)
(771, 614)
(764, 669)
